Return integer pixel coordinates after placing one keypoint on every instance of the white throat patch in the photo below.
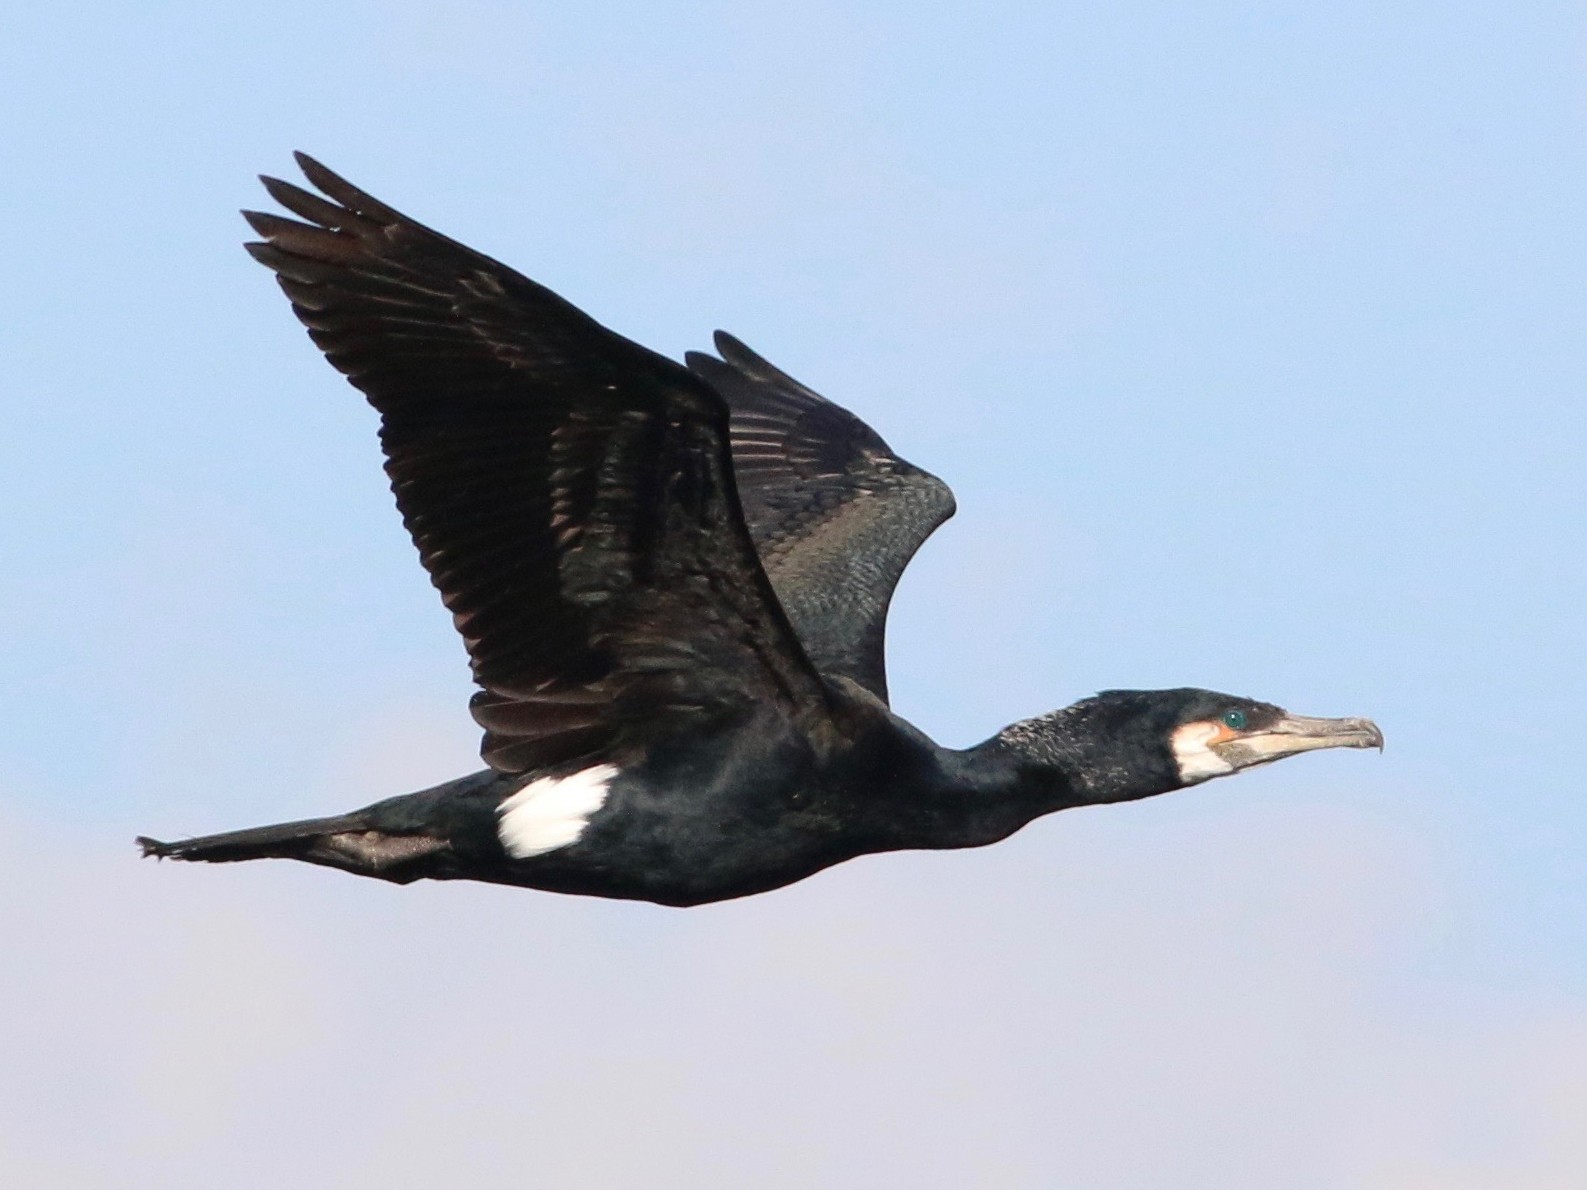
(1197, 761)
(553, 811)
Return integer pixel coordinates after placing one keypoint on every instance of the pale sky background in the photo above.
(1251, 339)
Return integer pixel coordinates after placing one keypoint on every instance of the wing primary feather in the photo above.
(570, 492)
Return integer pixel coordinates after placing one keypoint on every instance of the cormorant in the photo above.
(672, 583)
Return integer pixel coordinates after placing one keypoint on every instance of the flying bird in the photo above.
(672, 582)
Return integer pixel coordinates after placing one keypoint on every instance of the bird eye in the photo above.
(1235, 719)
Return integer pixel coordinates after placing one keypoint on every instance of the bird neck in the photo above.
(1053, 762)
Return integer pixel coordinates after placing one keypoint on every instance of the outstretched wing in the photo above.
(570, 492)
(835, 514)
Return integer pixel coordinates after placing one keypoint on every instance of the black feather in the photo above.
(835, 514)
(569, 491)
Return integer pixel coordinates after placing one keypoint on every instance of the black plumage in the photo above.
(835, 514)
(672, 584)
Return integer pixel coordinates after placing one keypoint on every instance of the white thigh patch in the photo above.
(553, 811)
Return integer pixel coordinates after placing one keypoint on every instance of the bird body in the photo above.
(743, 805)
(673, 584)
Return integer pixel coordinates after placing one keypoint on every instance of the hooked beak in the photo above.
(1297, 733)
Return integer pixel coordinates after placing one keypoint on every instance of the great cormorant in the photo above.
(672, 583)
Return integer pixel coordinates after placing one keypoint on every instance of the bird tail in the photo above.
(283, 840)
(400, 839)
(349, 842)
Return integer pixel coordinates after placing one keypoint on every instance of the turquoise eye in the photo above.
(1235, 719)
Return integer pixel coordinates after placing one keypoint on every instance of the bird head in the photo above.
(1214, 734)
(1126, 744)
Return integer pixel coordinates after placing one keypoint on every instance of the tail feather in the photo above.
(401, 839)
(283, 840)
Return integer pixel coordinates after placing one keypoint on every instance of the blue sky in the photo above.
(1251, 342)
